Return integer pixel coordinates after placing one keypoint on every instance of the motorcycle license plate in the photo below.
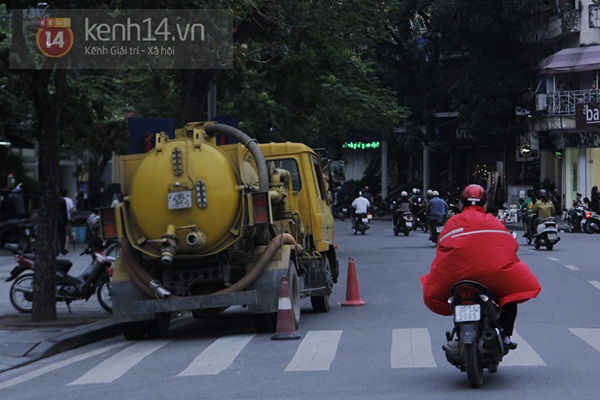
(438, 229)
(365, 220)
(409, 224)
(552, 236)
(344, 210)
(467, 313)
(178, 200)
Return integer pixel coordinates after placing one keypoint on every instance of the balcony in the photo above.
(563, 103)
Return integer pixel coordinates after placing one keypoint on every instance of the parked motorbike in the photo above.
(96, 278)
(476, 340)
(591, 222)
(546, 234)
(20, 232)
(404, 222)
(574, 219)
(362, 223)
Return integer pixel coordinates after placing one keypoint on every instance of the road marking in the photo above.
(116, 366)
(572, 267)
(55, 366)
(316, 352)
(552, 258)
(523, 355)
(595, 283)
(411, 348)
(218, 356)
(590, 335)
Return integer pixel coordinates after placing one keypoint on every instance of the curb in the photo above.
(78, 337)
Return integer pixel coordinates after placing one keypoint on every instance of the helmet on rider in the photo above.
(435, 193)
(414, 190)
(473, 195)
(403, 194)
(530, 192)
(542, 194)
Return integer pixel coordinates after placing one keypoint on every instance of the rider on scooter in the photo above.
(360, 206)
(543, 208)
(476, 246)
(403, 205)
(437, 209)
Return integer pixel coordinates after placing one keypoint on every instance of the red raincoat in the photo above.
(476, 246)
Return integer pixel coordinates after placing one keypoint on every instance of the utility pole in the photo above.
(384, 167)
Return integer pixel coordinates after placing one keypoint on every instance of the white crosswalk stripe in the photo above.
(117, 365)
(524, 355)
(590, 335)
(218, 356)
(411, 348)
(316, 351)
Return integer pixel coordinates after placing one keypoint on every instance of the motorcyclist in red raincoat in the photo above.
(476, 246)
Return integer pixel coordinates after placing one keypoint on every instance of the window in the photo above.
(292, 166)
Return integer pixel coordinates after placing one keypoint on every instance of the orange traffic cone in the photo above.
(352, 292)
(286, 327)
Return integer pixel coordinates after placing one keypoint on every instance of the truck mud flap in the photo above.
(195, 302)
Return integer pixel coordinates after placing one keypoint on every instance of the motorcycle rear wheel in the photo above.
(473, 365)
(104, 294)
(21, 293)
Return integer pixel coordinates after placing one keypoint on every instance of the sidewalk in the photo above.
(23, 341)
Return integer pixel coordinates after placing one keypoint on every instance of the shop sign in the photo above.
(587, 115)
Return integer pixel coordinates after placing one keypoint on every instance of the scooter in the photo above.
(476, 341)
(362, 223)
(591, 222)
(96, 278)
(18, 231)
(404, 222)
(546, 234)
(436, 229)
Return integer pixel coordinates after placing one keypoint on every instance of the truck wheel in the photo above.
(159, 326)
(133, 330)
(294, 291)
(322, 304)
(265, 323)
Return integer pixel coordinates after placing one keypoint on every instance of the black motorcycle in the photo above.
(476, 341)
(361, 223)
(96, 278)
(591, 222)
(574, 218)
(436, 229)
(18, 231)
(403, 222)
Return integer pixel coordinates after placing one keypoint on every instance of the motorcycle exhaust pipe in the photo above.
(488, 334)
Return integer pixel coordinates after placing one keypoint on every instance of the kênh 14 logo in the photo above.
(54, 37)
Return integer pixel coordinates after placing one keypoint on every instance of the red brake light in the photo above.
(260, 207)
(466, 292)
(588, 214)
(108, 224)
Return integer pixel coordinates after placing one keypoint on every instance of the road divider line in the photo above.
(552, 258)
(590, 335)
(411, 348)
(572, 267)
(595, 283)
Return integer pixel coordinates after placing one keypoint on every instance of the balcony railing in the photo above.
(563, 102)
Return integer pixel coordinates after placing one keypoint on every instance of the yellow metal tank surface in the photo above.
(205, 178)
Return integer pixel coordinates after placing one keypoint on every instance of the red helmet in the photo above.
(473, 195)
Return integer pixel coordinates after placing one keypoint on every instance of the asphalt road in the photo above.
(390, 348)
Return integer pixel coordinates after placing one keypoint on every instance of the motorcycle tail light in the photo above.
(588, 214)
(466, 292)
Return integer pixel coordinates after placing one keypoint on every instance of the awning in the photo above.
(575, 59)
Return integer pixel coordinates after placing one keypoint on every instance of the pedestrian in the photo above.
(595, 200)
(61, 224)
(70, 214)
(13, 207)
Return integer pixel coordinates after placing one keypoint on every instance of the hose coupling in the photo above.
(158, 289)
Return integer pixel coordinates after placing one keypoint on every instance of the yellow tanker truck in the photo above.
(205, 227)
